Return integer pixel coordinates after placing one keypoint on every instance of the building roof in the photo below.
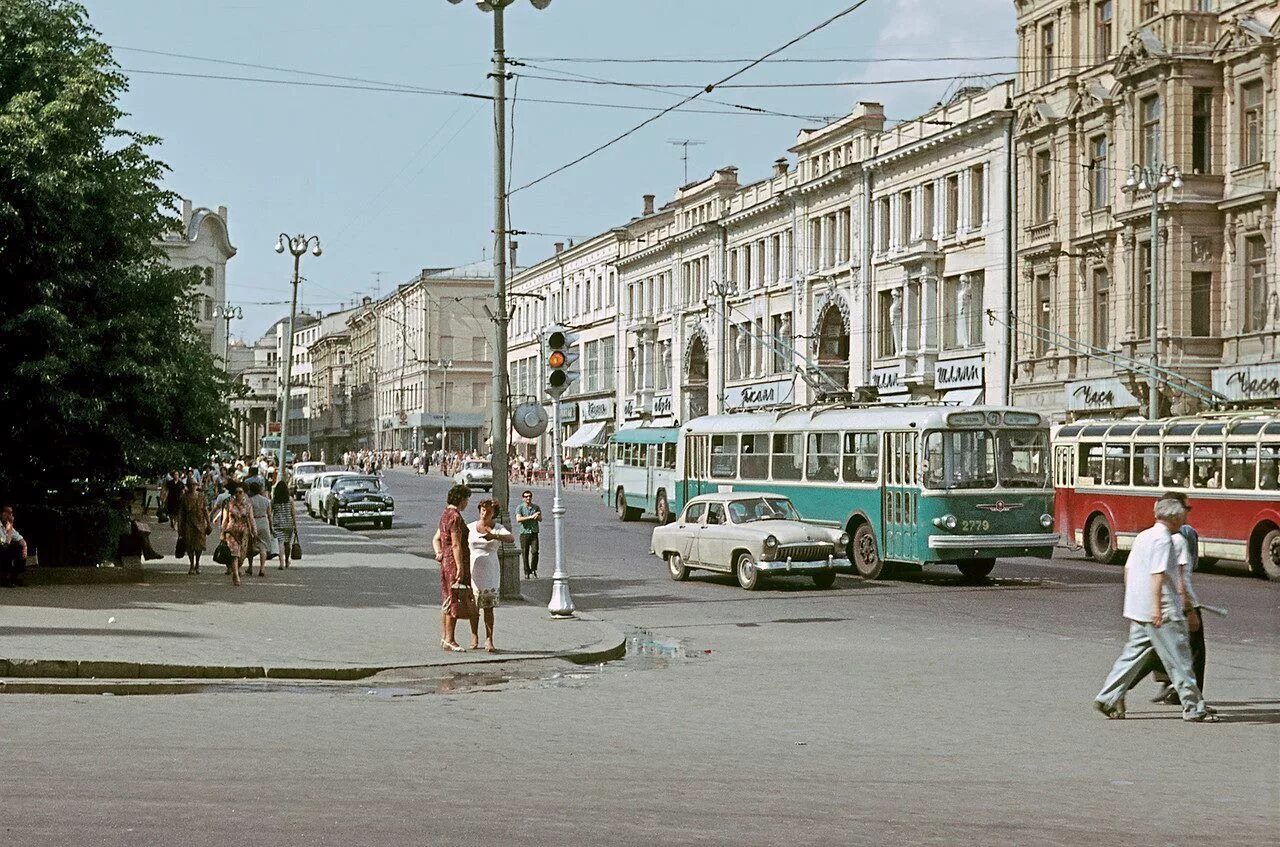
(476, 270)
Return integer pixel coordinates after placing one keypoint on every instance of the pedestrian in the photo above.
(485, 536)
(173, 490)
(1153, 604)
(263, 541)
(284, 522)
(193, 525)
(528, 517)
(237, 528)
(13, 551)
(453, 554)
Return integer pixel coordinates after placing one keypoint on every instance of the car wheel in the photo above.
(1100, 542)
(675, 567)
(662, 508)
(824, 580)
(866, 553)
(976, 569)
(749, 576)
(1267, 564)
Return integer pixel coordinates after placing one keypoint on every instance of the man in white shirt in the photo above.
(1155, 595)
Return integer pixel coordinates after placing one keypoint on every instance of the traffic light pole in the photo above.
(561, 605)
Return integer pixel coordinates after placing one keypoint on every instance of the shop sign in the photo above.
(568, 413)
(890, 379)
(1248, 382)
(1094, 395)
(662, 407)
(959, 373)
(759, 395)
(596, 410)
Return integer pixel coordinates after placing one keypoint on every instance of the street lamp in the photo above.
(298, 246)
(228, 313)
(1153, 179)
(444, 365)
(510, 583)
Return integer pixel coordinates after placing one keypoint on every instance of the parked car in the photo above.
(475, 473)
(320, 489)
(752, 536)
(304, 474)
(359, 498)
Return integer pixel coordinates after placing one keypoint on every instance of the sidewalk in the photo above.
(349, 609)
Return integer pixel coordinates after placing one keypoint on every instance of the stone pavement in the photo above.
(350, 608)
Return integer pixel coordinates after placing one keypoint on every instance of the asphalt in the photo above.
(349, 609)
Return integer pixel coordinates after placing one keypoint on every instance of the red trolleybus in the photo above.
(1107, 473)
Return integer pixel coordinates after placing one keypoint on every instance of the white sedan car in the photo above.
(320, 489)
(752, 536)
(304, 474)
(475, 473)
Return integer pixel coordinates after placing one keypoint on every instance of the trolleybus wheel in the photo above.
(976, 568)
(1267, 563)
(1100, 542)
(625, 512)
(749, 576)
(866, 555)
(675, 567)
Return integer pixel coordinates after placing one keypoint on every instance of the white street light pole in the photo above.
(444, 365)
(1153, 179)
(228, 313)
(510, 579)
(297, 245)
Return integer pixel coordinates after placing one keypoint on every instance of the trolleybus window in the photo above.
(964, 459)
(822, 461)
(787, 454)
(1208, 466)
(1024, 458)
(1116, 467)
(1146, 465)
(724, 456)
(754, 461)
(1177, 468)
(1242, 464)
(861, 457)
(1091, 462)
(1269, 468)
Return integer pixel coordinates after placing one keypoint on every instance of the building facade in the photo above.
(255, 405)
(1106, 85)
(332, 412)
(203, 241)
(362, 334)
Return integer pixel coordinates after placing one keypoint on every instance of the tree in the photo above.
(104, 373)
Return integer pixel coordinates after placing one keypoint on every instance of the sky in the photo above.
(395, 181)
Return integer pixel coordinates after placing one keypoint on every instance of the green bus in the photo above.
(921, 485)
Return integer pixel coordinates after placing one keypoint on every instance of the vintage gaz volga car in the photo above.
(752, 536)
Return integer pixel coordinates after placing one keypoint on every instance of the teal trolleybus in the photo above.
(640, 473)
(910, 484)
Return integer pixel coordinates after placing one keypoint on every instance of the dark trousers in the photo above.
(1196, 642)
(529, 552)
(13, 565)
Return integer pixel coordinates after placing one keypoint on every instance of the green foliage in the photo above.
(104, 373)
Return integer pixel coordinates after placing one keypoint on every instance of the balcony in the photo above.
(1182, 32)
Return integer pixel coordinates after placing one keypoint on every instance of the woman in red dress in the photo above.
(455, 563)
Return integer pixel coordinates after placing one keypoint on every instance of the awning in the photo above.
(963, 396)
(635, 424)
(586, 435)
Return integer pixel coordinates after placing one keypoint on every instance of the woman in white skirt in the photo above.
(484, 539)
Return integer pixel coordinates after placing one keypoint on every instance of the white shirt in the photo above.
(1182, 571)
(1153, 553)
(9, 535)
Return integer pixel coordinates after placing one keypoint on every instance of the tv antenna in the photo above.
(685, 144)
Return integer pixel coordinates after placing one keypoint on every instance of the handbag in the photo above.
(295, 549)
(180, 549)
(162, 516)
(462, 601)
(222, 554)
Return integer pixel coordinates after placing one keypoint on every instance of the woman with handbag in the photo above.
(284, 522)
(262, 540)
(485, 537)
(193, 525)
(238, 530)
(456, 598)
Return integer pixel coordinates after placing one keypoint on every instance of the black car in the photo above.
(353, 499)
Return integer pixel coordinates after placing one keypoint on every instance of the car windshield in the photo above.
(363, 485)
(476, 466)
(751, 509)
(309, 467)
(979, 458)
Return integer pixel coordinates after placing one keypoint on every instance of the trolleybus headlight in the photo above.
(946, 522)
(1046, 521)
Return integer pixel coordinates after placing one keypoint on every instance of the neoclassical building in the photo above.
(1105, 85)
(203, 241)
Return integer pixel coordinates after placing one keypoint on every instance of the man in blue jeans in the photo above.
(528, 516)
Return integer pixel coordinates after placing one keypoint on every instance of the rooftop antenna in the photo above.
(377, 285)
(684, 144)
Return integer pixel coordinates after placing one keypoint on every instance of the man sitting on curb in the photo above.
(13, 551)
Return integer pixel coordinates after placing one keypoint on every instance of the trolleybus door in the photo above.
(900, 506)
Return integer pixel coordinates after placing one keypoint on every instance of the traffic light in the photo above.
(561, 358)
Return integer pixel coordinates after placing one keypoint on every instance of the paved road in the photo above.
(915, 710)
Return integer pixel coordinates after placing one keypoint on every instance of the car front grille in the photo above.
(806, 552)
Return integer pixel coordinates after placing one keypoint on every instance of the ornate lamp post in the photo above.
(510, 587)
(1153, 179)
(298, 246)
(444, 365)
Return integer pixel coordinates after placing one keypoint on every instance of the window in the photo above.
(1091, 462)
(1146, 465)
(724, 456)
(1269, 468)
(1252, 123)
(1201, 304)
(904, 225)
(1201, 130)
(775, 258)
(787, 450)
(1102, 16)
(1149, 135)
(1101, 307)
(1116, 464)
(822, 461)
(960, 460)
(1242, 460)
(1142, 285)
(861, 458)
(926, 212)
(977, 196)
(1043, 314)
(1207, 466)
(951, 199)
(882, 219)
(607, 377)
(1177, 465)
(1046, 53)
(1149, 9)
(715, 514)
(1099, 176)
(1043, 186)
(962, 301)
(754, 459)
(1255, 284)
(591, 366)
(477, 395)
